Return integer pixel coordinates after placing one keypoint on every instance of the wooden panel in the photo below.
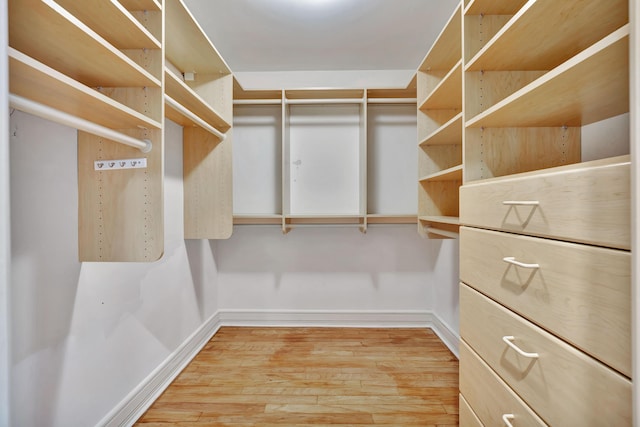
(120, 212)
(466, 415)
(580, 293)
(521, 45)
(446, 50)
(48, 33)
(186, 44)
(409, 92)
(592, 86)
(563, 386)
(208, 195)
(436, 158)
(34, 80)
(478, 30)
(149, 5)
(589, 203)
(451, 174)
(438, 198)
(489, 396)
(495, 152)
(391, 219)
(430, 121)
(112, 22)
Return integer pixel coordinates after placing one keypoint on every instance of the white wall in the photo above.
(370, 79)
(5, 225)
(390, 269)
(84, 335)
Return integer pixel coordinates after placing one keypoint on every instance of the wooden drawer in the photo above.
(587, 203)
(564, 386)
(581, 293)
(489, 396)
(466, 416)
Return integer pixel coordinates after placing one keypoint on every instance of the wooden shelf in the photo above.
(448, 93)
(452, 220)
(186, 45)
(448, 134)
(450, 174)
(150, 5)
(185, 96)
(324, 219)
(442, 233)
(323, 94)
(113, 22)
(446, 51)
(34, 80)
(391, 219)
(48, 33)
(493, 7)
(522, 44)
(257, 219)
(592, 86)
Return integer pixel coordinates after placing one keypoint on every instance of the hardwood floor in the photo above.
(314, 376)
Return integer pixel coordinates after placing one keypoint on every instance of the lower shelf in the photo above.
(439, 226)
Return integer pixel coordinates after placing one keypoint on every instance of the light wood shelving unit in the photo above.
(440, 133)
(322, 97)
(535, 73)
(100, 63)
(199, 96)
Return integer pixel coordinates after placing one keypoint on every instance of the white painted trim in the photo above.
(140, 399)
(326, 318)
(448, 336)
(5, 226)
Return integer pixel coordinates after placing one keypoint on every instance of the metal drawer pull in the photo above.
(506, 418)
(507, 339)
(512, 260)
(521, 202)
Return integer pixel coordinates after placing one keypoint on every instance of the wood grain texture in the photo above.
(564, 386)
(314, 376)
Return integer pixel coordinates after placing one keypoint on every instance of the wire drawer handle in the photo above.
(512, 260)
(506, 418)
(521, 202)
(507, 339)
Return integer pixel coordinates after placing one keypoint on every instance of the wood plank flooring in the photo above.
(314, 376)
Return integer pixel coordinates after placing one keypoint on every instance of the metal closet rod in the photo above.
(49, 113)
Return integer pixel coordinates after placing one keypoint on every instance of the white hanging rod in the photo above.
(49, 113)
(392, 100)
(197, 120)
(326, 101)
(257, 101)
(444, 233)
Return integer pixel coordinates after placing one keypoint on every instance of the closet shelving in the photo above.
(278, 107)
(440, 132)
(198, 96)
(535, 74)
(100, 64)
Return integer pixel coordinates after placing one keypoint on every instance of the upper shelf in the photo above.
(113, 22)
(34, 80)
(186, 44)
(447, 49)
(590, 87)
(452, 174)
(45, 31)
(185, 96)
(493, 7)
(448, 93)
(150, 5)
(522, 44)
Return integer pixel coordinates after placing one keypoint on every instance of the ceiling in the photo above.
(299, 35)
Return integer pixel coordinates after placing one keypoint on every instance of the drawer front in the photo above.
(564, 386)
(587, 205)
(581, 293)
(466, 416)
(489, 396)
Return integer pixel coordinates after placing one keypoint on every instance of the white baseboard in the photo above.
(140, 399)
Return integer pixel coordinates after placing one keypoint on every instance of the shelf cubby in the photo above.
(440, 128)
